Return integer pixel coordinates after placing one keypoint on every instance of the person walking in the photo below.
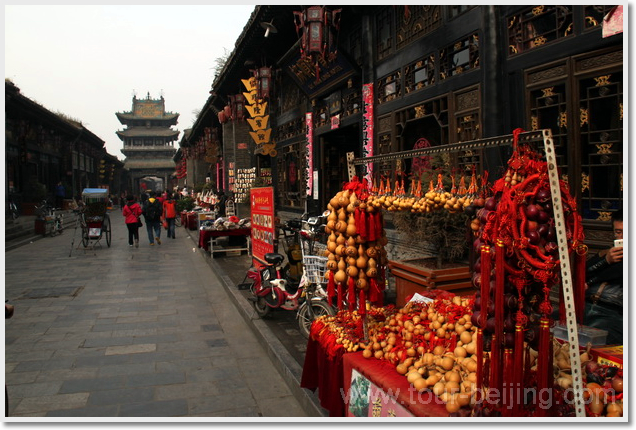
(60, 194)
(152, 213)
(131, 213)
(170, 213)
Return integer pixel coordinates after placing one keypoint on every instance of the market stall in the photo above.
(237, 231)
(474, 352)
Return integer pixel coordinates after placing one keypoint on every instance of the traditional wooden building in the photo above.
(149, 143)
(383, 79)
(43, 148)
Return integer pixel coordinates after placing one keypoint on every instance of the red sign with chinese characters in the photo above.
(263, 225)
(367, 127)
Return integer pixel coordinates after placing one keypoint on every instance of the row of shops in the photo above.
(408, 126)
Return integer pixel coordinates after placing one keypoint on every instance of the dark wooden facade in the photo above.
(439, 74)
(43, 148)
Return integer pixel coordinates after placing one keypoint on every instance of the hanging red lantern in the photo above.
(263, 77)
(228, 112)
(238, 107)
(314, 27)
(222, 117)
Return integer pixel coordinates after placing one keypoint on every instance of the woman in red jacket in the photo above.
(132, 212)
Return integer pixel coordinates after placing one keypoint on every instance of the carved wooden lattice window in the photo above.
(594, 15)
(548, 109)
(384, 35)
(290, 96)
(351, 103)
(601, 122)
(321, 116)
(459, 57)
(467, 116)
(419, 74)
(290, 129)
(414, 21)
(537, 26)
(389, 87)
(384, 168)
(290, 164)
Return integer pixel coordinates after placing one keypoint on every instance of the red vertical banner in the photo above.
(309, 174)
(367, 127)
(263, 226)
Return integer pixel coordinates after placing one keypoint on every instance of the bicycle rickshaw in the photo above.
(93, 217)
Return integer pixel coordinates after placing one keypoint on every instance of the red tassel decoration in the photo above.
(544, 369)
(331, 288)
(480, 364)
(499, 315)
(517, 377)
(507, 393)
(485, 284)
(340, 297)
(352, 294)
(362, 303)
(579, 285)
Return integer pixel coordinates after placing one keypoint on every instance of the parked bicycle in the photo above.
(12, 211)
(49, 213)
(272, 287)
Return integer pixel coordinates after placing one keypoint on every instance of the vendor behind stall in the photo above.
(604, 292)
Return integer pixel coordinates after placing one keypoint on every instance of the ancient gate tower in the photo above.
(149, 144)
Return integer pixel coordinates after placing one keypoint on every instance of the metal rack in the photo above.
(543, 137)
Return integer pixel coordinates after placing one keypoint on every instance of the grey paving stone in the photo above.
(35, 389)
(126, 369)
(188, 391)
(121, 396)
(94, 384)
(153, 379)
(229, 400)
(107, 341)
(100, 360)
(90, 411)
(52, 364)
(166, 408)
(46, 403)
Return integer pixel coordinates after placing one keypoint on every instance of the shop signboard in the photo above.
(263, 225)
(367, 127)
(309, 122)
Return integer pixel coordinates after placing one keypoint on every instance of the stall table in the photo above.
(330, 372)
(207, 239)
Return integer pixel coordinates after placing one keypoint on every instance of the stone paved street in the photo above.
(127, 332)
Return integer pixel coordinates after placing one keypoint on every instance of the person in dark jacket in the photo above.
(152, 211)
(604, 287)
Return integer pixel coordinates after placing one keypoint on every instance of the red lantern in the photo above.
(314, 26)
(222, 117)
(264, 81)
(228, 112)
(238, 106)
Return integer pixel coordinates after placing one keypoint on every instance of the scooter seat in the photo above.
(274, 258)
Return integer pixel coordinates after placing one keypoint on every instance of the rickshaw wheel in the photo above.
(106, 229)
(85, 238)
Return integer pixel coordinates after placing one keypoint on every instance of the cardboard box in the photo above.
(608, 355)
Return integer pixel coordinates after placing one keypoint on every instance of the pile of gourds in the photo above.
(355, 249)
(458, 199)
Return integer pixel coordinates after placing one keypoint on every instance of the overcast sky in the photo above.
(86, 61)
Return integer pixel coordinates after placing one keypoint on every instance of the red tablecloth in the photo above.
(384, 376)
(205, 235)
(332, 377)
(324, 373)
(192, 221)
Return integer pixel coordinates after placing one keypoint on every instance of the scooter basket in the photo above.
(315, 268)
